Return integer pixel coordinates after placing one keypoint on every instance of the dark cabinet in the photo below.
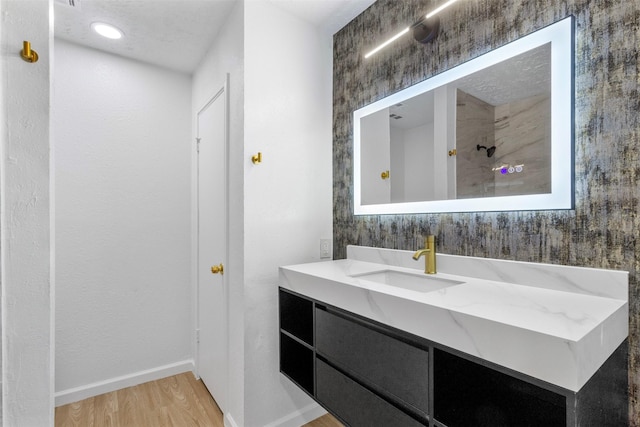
(466, 393)
(365, 376)
(296, 340)
(369, 374)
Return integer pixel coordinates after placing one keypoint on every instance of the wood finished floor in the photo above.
(177, 401)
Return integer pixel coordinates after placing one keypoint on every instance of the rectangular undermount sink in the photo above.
(414, 282)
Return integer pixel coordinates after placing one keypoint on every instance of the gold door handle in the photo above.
(217, 269)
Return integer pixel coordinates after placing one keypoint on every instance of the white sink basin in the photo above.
(414, 282)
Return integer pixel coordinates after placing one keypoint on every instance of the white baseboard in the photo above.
(83, 392)
(300, 417)
(229, 421)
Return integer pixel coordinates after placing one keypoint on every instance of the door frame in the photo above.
(223, 90)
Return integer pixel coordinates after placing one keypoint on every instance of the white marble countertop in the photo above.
(555, 323)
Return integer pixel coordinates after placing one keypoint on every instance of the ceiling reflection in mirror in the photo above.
(492, 134)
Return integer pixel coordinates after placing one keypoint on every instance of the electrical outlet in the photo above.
(325, 248)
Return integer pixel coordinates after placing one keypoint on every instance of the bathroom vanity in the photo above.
(481, 343)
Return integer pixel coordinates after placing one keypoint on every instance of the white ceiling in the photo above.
(329, 15)
(516, 78)
(176, 33)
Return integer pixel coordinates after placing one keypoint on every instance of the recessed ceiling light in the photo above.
(106, 30)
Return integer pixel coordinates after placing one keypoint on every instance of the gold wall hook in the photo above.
(453, 152)
(385, 175)
(257, 158)
(27, 53)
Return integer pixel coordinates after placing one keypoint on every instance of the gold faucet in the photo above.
(429, 253)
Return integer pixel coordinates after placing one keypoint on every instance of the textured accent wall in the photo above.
(604, 228)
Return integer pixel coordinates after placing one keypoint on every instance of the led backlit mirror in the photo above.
(492, 134)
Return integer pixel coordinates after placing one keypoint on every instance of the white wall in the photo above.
(122, 147)
(420, 179)
(25, 211)
(226, 55)
(397, 161)
(297, 145)
(288, 198)
(439, 161)
(412, 178)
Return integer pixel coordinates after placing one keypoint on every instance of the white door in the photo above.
(375, 149)
(212, 246)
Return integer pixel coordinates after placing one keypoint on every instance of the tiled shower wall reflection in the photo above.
(603, 230)
(475, 125)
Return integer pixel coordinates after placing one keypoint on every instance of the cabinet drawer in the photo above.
(354, 404)
(395, 368)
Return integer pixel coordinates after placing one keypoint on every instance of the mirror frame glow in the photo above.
(561, 37)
